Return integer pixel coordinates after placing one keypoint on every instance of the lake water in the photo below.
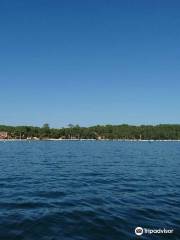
(88, 190)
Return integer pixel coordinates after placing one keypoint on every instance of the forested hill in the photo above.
(162, 131)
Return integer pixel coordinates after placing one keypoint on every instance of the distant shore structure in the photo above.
(3, 135)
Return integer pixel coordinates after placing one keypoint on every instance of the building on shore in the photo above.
(3, 135)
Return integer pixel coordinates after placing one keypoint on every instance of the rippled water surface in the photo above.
(88, 190)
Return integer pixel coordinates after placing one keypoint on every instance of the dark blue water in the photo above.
(88, 190)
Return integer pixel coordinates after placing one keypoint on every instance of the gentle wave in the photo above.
(88, 190)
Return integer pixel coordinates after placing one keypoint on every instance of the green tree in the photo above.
(46, 126)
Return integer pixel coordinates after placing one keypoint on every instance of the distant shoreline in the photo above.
(98, 140)
(123, 132)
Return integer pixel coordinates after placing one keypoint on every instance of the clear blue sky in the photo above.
(89, 62)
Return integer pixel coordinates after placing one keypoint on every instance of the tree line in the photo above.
(124, 131)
